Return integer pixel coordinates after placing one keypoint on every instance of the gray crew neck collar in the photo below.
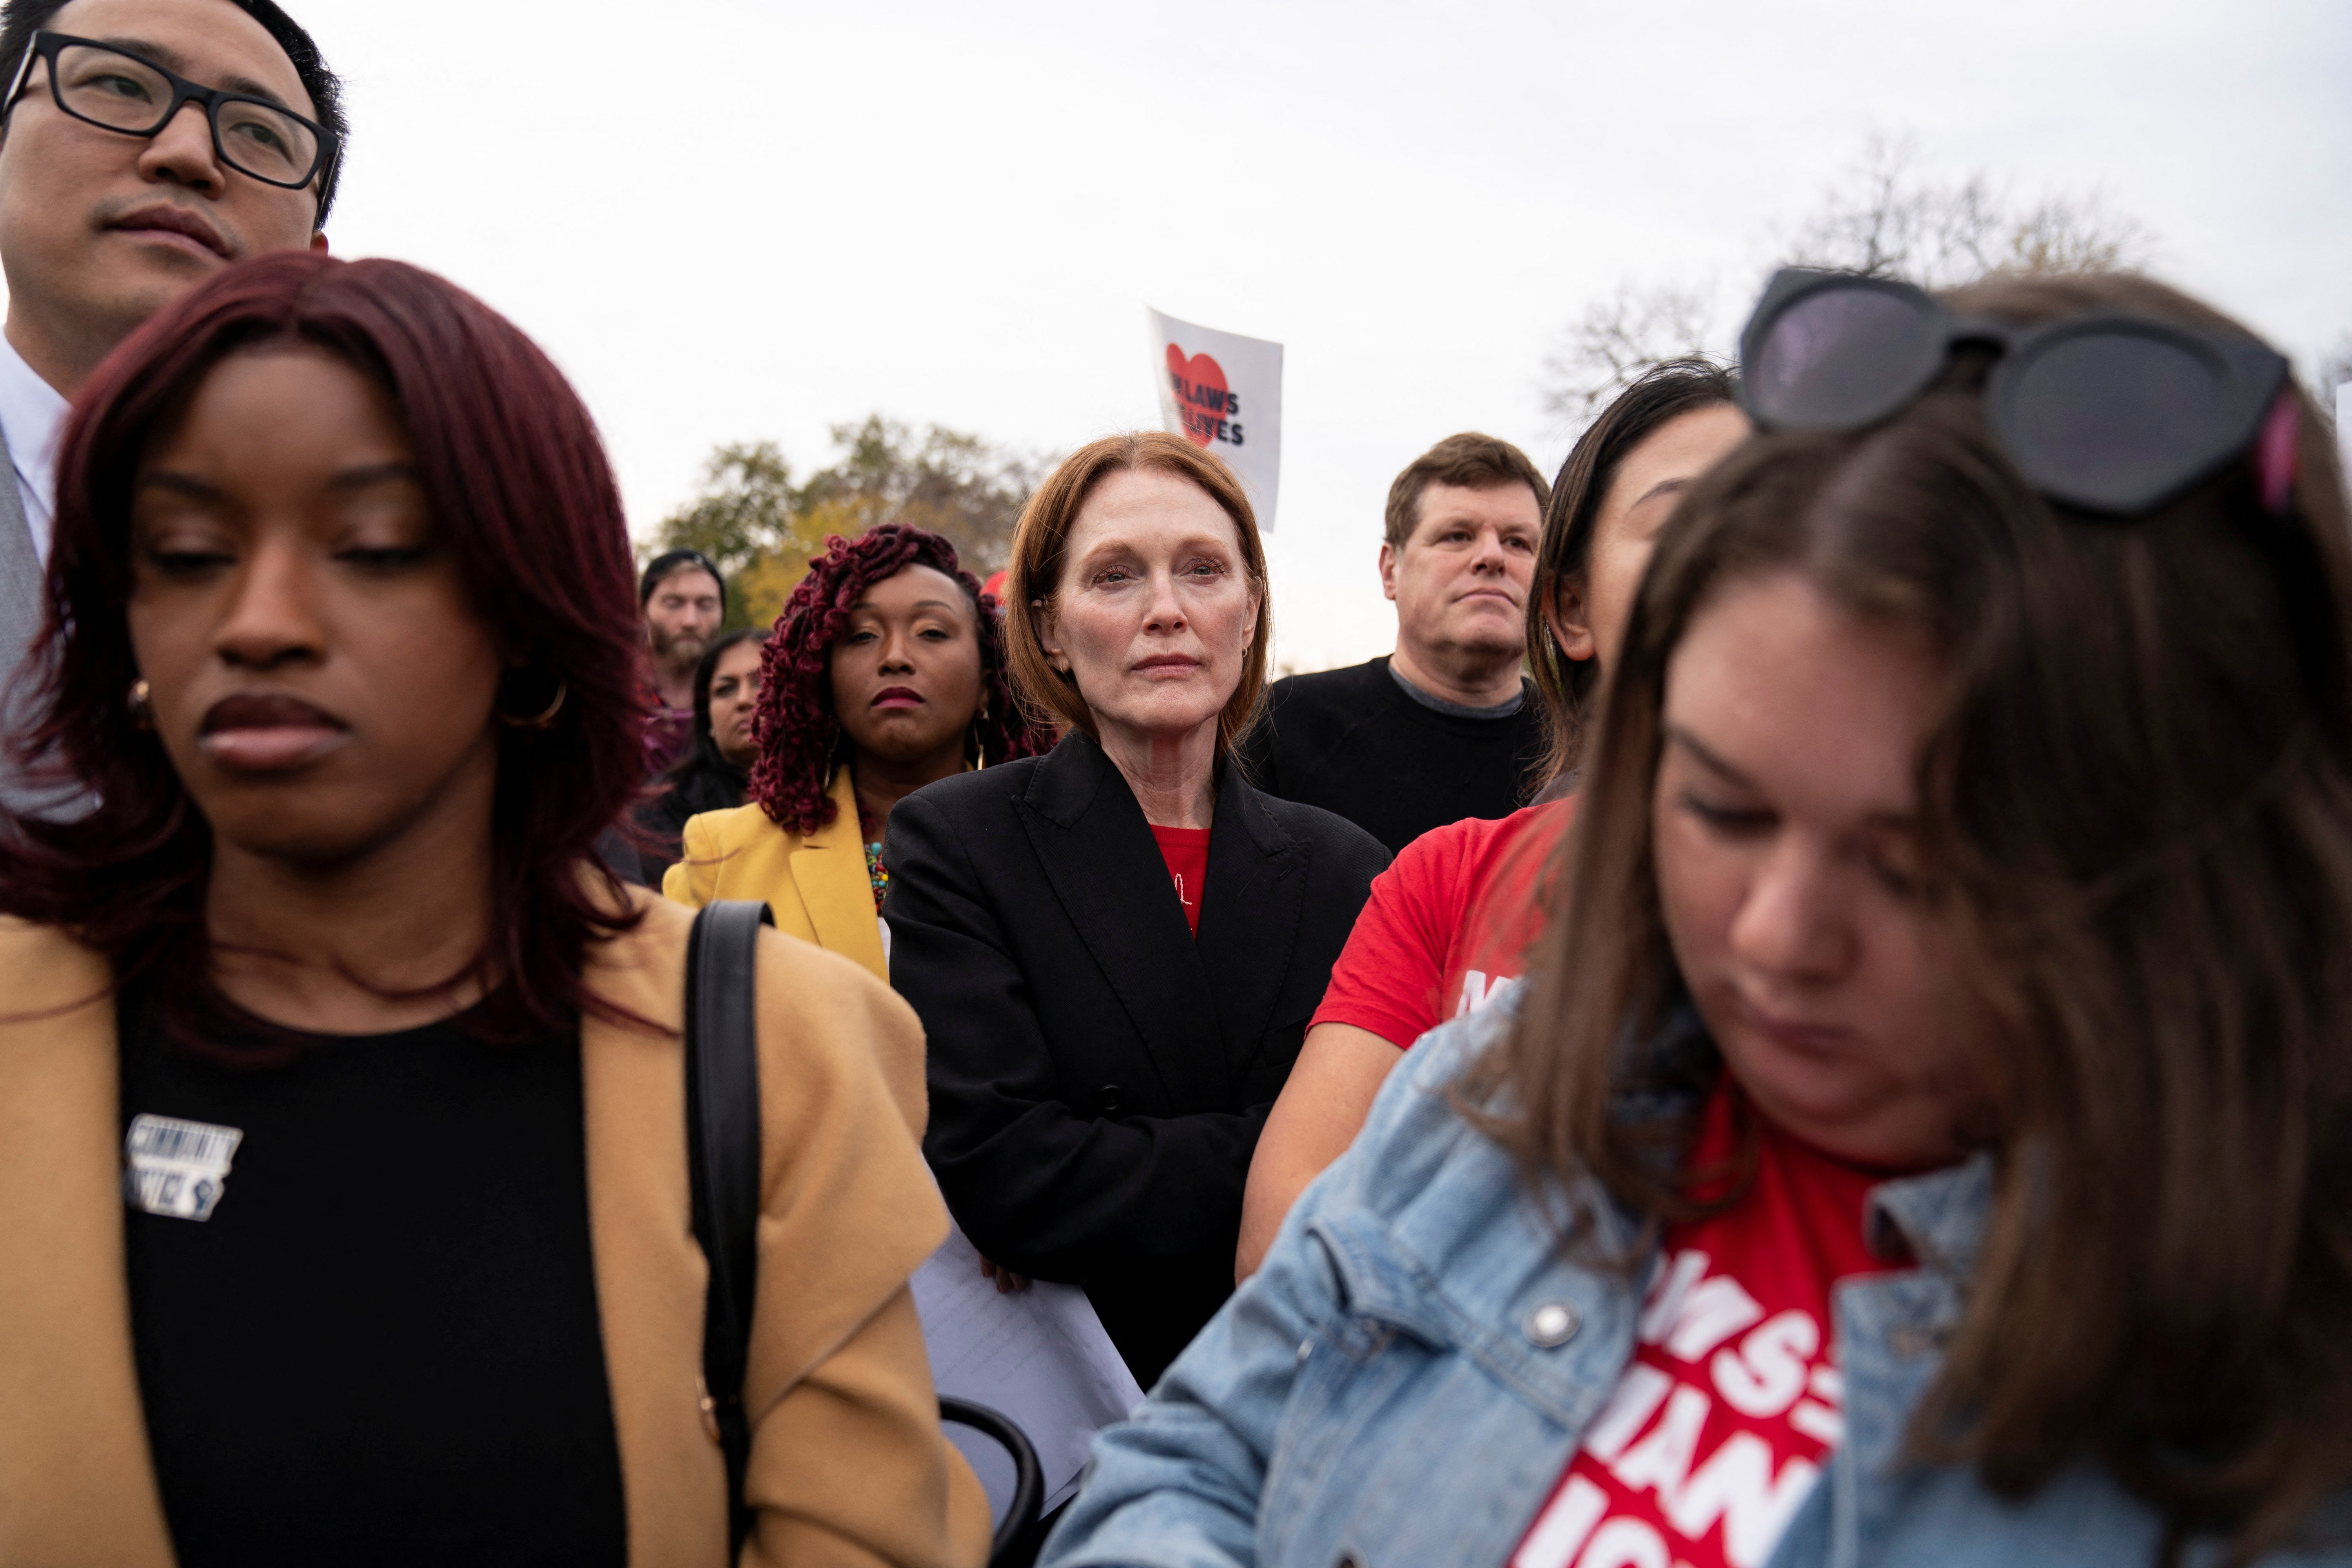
(1458, 710)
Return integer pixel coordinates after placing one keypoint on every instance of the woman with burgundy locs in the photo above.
(345, 1200)
(1114, 948)
(886, 673)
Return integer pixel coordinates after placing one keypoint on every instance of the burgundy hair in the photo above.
(524, 501)
(800, 739)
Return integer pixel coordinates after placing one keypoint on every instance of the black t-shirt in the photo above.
(1354, 742)
(382, 1345)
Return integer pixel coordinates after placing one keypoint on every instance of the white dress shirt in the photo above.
(31, 416)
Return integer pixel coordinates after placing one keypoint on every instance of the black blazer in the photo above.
(1098, 1077)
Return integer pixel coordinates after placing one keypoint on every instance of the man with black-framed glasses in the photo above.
(144, 144)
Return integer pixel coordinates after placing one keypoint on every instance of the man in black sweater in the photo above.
(1445, 727)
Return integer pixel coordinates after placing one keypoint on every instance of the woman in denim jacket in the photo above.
(1926, 1133)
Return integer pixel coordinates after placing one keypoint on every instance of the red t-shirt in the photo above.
(1448, 921)
(1732, 1402)
(1186, 850)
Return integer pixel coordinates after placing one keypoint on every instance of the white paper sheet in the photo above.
(1039, 1356)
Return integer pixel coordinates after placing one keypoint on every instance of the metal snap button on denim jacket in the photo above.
(1402, 1383)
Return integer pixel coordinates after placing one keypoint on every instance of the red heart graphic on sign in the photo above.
(1200, 384)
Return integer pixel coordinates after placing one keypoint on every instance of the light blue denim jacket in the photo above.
(1385, 1391)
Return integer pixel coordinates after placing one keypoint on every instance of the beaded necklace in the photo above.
(877, 873)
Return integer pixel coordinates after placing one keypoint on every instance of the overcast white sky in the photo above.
(730, 220)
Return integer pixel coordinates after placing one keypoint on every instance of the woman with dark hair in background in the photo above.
(1114, 948)
(886, 673)
(400, 1269)
(711, 775)
(1451, 920)
(1927, 1136)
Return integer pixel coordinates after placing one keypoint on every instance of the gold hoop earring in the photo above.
(543, 720)
(141, 702)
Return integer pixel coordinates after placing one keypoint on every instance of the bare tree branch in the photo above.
(1887, 219)
(2076, 234)
(1616, 339)
(1883, 218)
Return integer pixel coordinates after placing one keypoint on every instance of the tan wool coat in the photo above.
(847, 1462)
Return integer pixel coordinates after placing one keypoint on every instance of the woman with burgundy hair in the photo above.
(396, 1263)
(886, 673)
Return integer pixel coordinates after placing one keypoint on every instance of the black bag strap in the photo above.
(722, 1150)
(1012, 1543)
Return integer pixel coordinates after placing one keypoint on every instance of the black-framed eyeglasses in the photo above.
(115, 89)
(2105, 412)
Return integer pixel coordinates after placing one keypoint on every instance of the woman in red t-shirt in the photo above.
(1447, 923)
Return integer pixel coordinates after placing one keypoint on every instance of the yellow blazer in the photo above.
(847, 1464)
(816, 884)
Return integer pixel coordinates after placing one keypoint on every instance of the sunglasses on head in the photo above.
(2103, 412)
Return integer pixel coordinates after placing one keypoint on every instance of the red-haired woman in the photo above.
(394, 1263)
(1115, 947)
(886, 673)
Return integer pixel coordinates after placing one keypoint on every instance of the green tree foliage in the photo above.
(763, 530)
(956, 485)
(745, 513)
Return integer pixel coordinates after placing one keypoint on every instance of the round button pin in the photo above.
(1553, 1323)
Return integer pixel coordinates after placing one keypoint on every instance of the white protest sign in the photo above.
(1224, 394)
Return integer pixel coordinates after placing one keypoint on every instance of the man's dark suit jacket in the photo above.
(1097, 1076)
